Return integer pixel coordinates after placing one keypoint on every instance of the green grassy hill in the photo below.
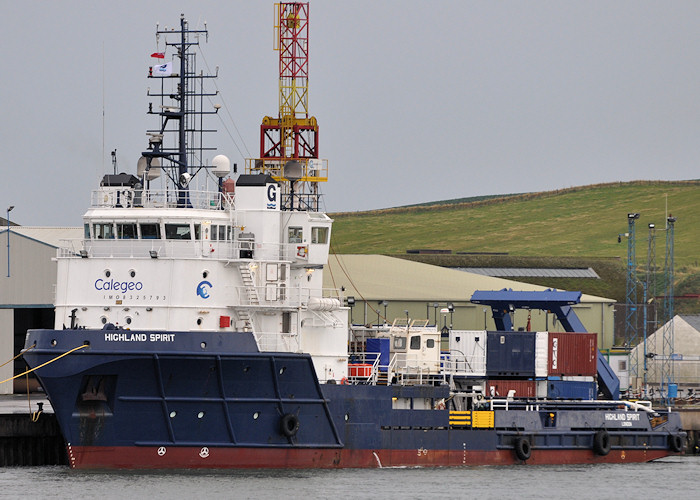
(576, 223)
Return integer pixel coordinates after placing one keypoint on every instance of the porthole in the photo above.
(128, 320)
(347, 417)
(132, 273)
(256, 415)
(283, 369)
(108, 273)
(205, 273)
(172, 414)
(246, 369)
(200, 414)
(203, 345)
(199, 321)
(53, 342)
(103, 319)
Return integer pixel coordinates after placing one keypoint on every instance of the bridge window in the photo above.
(177, 232)
(197, 231)
(319, 235)
(150, 231)
(126, 231)
(104, 231)
(87, 231)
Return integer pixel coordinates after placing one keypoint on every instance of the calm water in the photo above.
(669, 479)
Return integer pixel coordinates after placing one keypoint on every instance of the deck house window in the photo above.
(319, 235)
(295, 234)
(415, 342)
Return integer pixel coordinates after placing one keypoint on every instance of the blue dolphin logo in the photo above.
(203, 289)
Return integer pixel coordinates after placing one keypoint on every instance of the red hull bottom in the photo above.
(132, 457)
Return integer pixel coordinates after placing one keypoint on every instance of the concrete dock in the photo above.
(29, 432)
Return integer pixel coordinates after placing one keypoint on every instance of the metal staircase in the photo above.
(251, 294)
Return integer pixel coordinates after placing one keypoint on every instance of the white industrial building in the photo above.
(685, 358)
(27, 291)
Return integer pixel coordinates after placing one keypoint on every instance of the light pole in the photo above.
(9, 209)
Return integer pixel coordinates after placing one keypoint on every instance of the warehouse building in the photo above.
(384, 288)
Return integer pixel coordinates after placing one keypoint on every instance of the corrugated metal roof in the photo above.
(49, 235)
(513, 272)
(378, 277)
(693, 320)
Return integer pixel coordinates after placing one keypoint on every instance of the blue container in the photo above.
(571, 389)
(672, 390)
(510, 354)
(381, 348)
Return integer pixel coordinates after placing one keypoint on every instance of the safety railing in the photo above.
(127, 197)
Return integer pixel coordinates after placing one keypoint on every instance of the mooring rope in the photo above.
(44, 364)
(10, 361)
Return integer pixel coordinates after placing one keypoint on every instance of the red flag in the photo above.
(159, 55)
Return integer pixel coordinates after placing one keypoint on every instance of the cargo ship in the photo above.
(193, 330)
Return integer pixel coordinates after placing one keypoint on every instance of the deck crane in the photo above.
(503, 302)
(289, 143)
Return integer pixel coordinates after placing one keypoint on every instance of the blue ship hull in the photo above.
(142, 399)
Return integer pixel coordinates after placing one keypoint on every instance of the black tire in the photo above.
(601, 442)
(522, 448)
(675, 443)
(289, 425)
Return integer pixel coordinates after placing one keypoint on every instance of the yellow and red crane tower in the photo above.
(289, 143)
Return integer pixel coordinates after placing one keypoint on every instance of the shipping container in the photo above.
(467, 355)
(359, 369)
(577, 378)
(568, 389)
(541, 353)
(378, 347)
(510, 354)
(501, 387)
(573, 354)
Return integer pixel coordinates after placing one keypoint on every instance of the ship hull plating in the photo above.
(212, 400)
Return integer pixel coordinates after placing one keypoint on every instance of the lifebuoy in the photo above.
(343, 381)
(290, 425)
(601, 442)
(675, 443)
(522, 448)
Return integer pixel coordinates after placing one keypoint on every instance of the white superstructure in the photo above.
(229, 263)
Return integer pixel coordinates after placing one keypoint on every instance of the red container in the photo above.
(572, 354)
(522, 388)
(359, 370)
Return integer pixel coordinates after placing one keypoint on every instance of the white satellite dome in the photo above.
(222, 166)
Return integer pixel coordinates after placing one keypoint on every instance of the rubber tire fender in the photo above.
(289, 425)
(522, 448)
(601, 442)
(675, 443)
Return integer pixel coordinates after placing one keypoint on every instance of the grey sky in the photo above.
(417, 101)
